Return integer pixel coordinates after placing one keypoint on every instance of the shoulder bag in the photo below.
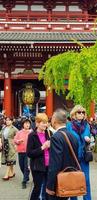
(70, 182)
(88, 155)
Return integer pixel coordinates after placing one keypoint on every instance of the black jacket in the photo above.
(35, 153)
(60, 156)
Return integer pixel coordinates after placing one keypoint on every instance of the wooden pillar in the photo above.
(67, 11)
(92, 109)
(49, 15)
(7, 95)
(86, 15)
(49, 103)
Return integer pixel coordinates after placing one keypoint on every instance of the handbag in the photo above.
(70, 182)
(88, 155)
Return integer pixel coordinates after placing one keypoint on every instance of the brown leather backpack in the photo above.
(70, 182)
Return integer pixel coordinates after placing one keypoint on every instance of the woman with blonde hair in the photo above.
(80, 128)
(38, 152)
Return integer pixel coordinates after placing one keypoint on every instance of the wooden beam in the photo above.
(24, 76)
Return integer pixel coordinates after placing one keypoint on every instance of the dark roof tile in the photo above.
(47, 37)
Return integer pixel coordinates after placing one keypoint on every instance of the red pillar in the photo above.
(13, 104)
(49, 103)
(7, 96)
(49, 15)
(92, 109)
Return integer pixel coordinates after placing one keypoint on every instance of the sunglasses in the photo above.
(81, 112)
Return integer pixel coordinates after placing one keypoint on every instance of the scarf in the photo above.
(79, 127)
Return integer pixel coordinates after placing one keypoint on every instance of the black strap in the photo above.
(71, 149)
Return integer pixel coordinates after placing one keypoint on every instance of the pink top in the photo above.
(46, 152)
(21, 135)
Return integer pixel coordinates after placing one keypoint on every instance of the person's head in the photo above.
(41, 121)
(9, 121)
(58, 118)
(26, 124)
(78, 113)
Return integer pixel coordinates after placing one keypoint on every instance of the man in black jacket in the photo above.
(60, 155)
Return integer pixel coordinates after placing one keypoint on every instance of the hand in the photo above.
(20, 141)
(50, 192)
(87, 139)
(46, 145)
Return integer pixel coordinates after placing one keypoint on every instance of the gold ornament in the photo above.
(28, 94)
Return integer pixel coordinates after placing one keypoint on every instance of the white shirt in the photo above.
(5, 133)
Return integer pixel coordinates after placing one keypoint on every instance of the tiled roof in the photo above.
(58, 37)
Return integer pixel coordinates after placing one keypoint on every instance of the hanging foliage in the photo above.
(81, 71)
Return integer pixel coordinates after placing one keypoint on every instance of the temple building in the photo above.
(31, 31)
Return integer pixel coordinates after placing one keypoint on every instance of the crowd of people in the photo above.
(43, 151)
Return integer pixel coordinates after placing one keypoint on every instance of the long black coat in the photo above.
(35, 153)
(60, 156)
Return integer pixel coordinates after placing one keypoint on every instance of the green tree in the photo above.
(81, 71)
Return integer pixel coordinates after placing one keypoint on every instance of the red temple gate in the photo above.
(33, 31)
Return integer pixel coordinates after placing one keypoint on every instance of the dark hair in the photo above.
(10, 118)
(60, 115)
(26, 120)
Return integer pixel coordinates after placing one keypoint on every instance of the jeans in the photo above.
(42, 195)
(23, 163)
(39, 190)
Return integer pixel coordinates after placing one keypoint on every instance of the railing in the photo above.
(48, 26)
(41, 16)
(40, 21)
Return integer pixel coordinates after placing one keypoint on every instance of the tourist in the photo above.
(8, 154)
(80, 128)
(38, 152)
(21, 142)
(60, 155)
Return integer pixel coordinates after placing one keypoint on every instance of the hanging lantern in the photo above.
(28, 95)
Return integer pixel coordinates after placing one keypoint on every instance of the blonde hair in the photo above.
(41, 117)
(75, 109)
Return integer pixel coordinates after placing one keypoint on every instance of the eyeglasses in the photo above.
(81, 112)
